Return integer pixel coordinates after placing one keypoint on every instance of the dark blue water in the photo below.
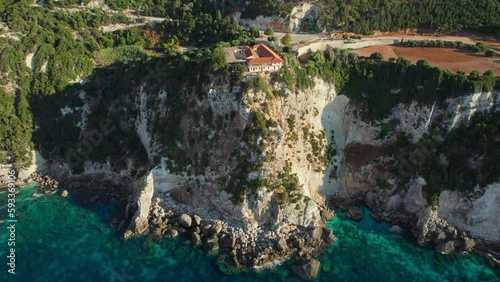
(59, 240)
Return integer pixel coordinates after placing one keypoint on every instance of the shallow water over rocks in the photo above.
(58, 239)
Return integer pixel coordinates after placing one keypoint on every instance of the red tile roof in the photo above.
(261, 55)
(249, 52)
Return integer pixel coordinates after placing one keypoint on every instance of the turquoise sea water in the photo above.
(60, 240)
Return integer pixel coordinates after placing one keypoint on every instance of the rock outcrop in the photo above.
(450, 220)
(143, 198)
(307, 269)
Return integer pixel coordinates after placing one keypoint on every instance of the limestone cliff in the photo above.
(252, 167)
(303, 17)
(400, 186)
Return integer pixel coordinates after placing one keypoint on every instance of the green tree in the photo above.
(218, 59)
(269, 31)
(474, 75)
(377, 56)
(286, 39)
(490, 53)
(254, 32)
(422, 63)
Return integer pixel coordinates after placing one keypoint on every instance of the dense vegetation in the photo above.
(368, 80)
(360, 16)
(363, 16)
(475, 48)
(462, 159)
(195, 24)
(41, 53)
(478, 140)
(44, 50)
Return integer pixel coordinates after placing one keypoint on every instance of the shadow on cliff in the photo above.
(86, 133)
(335, 122)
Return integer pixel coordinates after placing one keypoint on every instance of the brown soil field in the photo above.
(444, 58)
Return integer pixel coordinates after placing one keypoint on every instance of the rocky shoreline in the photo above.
(425, 226)
(237, 249)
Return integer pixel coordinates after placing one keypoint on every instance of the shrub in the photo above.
(122, 55)
(269, 31)
(377, 56)
(287, 39)
(490, 53)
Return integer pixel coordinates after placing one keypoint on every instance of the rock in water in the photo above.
(185, 220)
(64, 194)
(327, 214)
(447, 247)
(196, 238)
(308, 269)
(355, 213)
(328, 235)
(128, 233)
(171, 233)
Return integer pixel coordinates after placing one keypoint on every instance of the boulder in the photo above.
(185, 220)
(196, 220)
(315, 235)
(216, 228)
(355, 213)
(205, 228)
(211, 247)
(128, 233)
(281, 246)
(64, 194)
(328, 235)
(227, 241)
(212, 239)
(447, 247)
(197, 230)
(196, 238)
(307, 269)
(371, 199)
(158, 232)
(468, 244)
(171, 233)
(327, 214)
(298, 242)
(438, 238)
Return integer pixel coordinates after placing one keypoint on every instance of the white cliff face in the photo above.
(165, 180)
(304, 11)
(414, 120)
(262, 22)
(461, 109)
(38, 163)
(414, 201)
(307, 108)
(293, 23)
(222, 102)
(479, 216)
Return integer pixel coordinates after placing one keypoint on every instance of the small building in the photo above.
(259, 58)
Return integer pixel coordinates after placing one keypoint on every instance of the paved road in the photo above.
(298, 37)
